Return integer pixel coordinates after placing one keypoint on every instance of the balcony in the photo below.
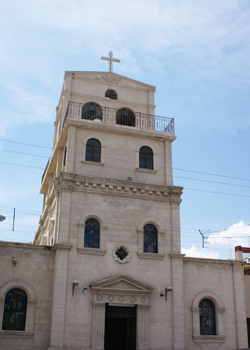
(109, 115)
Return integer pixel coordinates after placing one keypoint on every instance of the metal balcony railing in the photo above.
(109, 116)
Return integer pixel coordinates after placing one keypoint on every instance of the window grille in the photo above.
(146, 158)
(150, 239)
(125, 117)
(92, 111)
(93, 151)
(15, 306)
(92, 234)
(207, 317)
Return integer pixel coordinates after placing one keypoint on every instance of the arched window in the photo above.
(92, 234)
(92, 111)
(207, 317)
(15, 306)
(125, 117)
(150, 239)
(65, 156)
(93, 151)
(146, 158)
(111, 94)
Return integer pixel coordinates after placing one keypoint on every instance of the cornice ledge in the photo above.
(84, 123)
(115, 291)
(25, 245)
(68, 182)
(212, 261)
(62, 246)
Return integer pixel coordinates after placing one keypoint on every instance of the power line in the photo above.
(26, 144)
(26, 154)
(216, 192)
(22, 165)
(127, 169)
(179, 169)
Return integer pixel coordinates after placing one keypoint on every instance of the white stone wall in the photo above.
(29, 268)
(220, 281)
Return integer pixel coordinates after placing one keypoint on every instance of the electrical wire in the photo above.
(179, 169)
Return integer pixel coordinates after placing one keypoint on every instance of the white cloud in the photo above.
(195, 252)
(203, 40)
(237, 234)
(222, 243)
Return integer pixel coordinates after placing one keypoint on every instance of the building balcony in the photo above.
(114, 116)
(122, 116)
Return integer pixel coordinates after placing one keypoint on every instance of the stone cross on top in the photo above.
(111, 60)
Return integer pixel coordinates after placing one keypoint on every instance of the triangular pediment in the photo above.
(120, 283)
(110, 78)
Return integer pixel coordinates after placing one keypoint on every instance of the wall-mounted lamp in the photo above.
(164, 292)
(77, 284)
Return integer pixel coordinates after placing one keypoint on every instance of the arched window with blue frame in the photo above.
(207, 317)
(150, 239)
(15, 307)
(92, 234)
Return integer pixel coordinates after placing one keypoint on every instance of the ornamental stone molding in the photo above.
(109, 79)
(121, 254)
(70, 182)
(120, 290)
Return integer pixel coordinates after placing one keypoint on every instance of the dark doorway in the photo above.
(120, 328)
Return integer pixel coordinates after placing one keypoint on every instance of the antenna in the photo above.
(14, 217)
(203, 238)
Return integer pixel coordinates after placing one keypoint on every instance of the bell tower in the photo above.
(110, 207)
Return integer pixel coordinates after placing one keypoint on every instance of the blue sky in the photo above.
(196, 53)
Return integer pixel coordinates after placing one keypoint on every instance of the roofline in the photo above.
(109, 73)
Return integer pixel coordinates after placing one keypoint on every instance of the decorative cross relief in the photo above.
(111, 60)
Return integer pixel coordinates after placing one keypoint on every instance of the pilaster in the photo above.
(240, 308)
(71, 149)
(64, 216)
(143, 327)
(168, 164)
(178, 301)
(175, 221)
(58, 309)
(98, 326)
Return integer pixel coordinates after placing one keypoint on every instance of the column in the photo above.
(142, 327)
(98, 326)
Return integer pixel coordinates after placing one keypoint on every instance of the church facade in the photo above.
(105, 270)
